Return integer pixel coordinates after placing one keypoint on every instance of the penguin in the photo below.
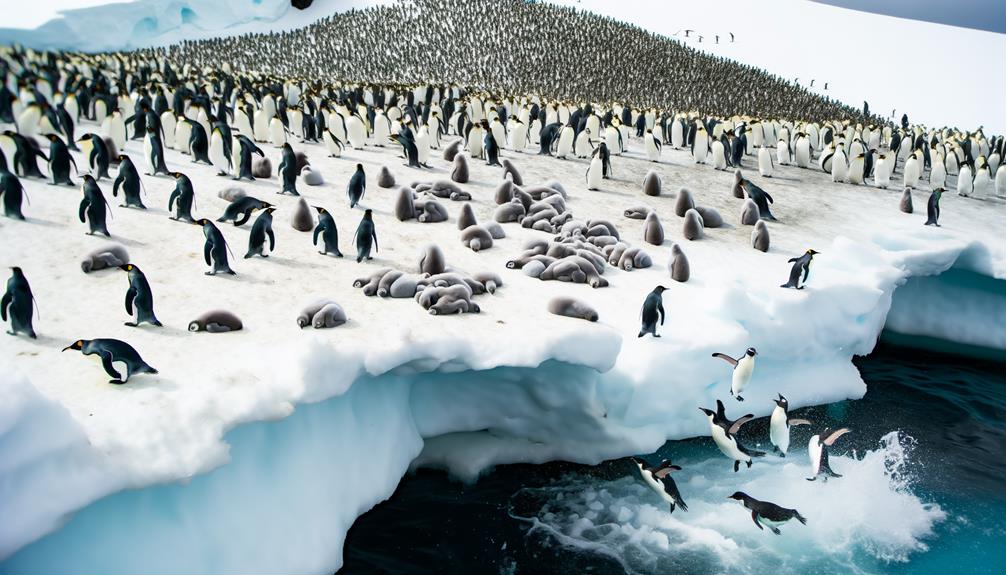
(724, 433)
(801, 265)
(760, 197)
(658, 478)
(594, 173)
(803, 151)
(653, 308)
(60, 161)
(357, 186)
(261, 229)
(140, 297)
(765, 164)
(129, 179)
(12, 193)
(215, 249)
(333, 144)
(857, 169)
(277, 132)
(153, 150)
(766, 514)
(882, 172)
(912, 170)
(839, 166)
(288, 171)
(565, 145)
(817, 450)
(329, 233)
(779, 424)
(743, 369)
(112, 351)
(700, 145)
(547, 138)
(240, 210)
(96, 151)
(185, 197)
(219, 142)
(492, 149)
(719, 155)
(18, 302)
(933, 208)
(965, 181)
(199, 142)
(92, 207)
(366, 234)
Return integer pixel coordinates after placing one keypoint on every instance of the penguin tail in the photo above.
(150, 370)
(799, 517)
(681, 504)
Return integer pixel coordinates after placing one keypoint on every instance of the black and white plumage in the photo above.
(767, 514)
(724, 434)
(658, 478)
(817, 450)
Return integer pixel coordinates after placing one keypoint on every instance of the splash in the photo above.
(858, 523)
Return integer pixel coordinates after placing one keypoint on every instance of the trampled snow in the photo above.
(397, 387)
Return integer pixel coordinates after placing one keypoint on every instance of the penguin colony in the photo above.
(233, 95)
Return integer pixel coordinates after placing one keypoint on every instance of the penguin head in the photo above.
(201, 222)
(270, 209)
(127, 267)
(812, 252)
(320, 209)
(782, 402)
(122, 158)
(709, 413)
(751, 352)
(639, 462)
(659, 289)
(738, 496)
(368, 214)
(79, 344)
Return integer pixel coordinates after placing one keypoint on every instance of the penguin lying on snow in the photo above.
(765, 513)
(658, 478)
(112, 351)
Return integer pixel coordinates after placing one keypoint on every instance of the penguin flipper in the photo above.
(106, 362)
(754, 517)
(726, 358)
(797, 421)
(4, 303)
(207, 247)
(83, 206)
(272, 239)
(130, 296)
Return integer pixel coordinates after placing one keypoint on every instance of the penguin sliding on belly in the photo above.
(743, 370)
(817, 450)
(112, 351)
(658, 478)
(779, 424)
(724, 433)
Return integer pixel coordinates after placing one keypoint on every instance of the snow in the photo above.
(512, 384)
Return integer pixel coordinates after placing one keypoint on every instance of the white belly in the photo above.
(764, 162)
(742, 374)
(594, 174)
(778, 431)
(565, 143)
(814, 453)
(727, 445)
(719, 159)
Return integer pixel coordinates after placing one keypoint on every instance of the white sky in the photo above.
(934, 73)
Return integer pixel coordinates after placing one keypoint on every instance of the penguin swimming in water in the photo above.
(240, 210)
(329, 233)
(129, 179)
(366, 234)
(215, 249)
(60, 161)
(760, 197)
(261, 229)
(817, 450)
(933, 208)
(767, 514)
(97, 155)
(112, 351)
(288, 171)
(653, 306)
(801, 266)
(779, 424)
(17, 302)
(92, 207)
(658, 478)
(139, 297)
(357, 186)
(12, 193)
(183, 197)
(743, 370)
(724, 434)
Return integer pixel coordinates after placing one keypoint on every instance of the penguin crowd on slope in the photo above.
(326, 86)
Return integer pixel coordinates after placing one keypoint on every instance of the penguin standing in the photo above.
(817, 450)
(933, 208)
(913, 169)
(288, 171)
(215, 249)
(767, 514)
(153, 150)
(139, 297)
(17, 302)
(92, 208)
(882, 172)
(760, 197)
(700, 145)
(765, 164)
(366, 237)
(60, 161)
(652, 147)
(779, 424)
(653, 309)
(112, 351)
(218, 151)
(12, 193)
(857, 169)
(97, 155)
(357, 186)
(129, 179)
(743, 369)
(965, 181)
(261, 229)
(724, 433)
(801, 266)
(658, 478)
(183, 197)
(595, 173)
(329, 233)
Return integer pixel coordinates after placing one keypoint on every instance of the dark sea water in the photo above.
(932, 499)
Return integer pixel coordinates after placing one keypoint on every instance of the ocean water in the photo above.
(923, 491)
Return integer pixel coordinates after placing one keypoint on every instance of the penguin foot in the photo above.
(776, 530)
(739, 398)
(116, 381)
(799, 287)
(749, 464)
(737, 466)
(131, 324)
(211, 273)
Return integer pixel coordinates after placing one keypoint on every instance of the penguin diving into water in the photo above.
(724, 433)
(779, 424)
(817, 450)
(658, 478)
(766, 514)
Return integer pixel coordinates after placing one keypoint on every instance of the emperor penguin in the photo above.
(779, 424)
(277, 132)
(595, 173)
(498, 131)
(802, 150)
(356, 132)
(565, 146)
(743, 370)
(913, 169)
(382, 128)
(677, 133)
(652, 147)
(218, 154)
(28, 120)
(333, 144)
(719, 155)
(261, 126)
(658, 478)
(882, 172)
(700, 145)
(614, 141)
(817, 450)
(168, 126)
(765, 164)
(583, 145)
(139, 298)
(112, 352)
(1000, 181)
(857, 169)
(114, 126)
(518, 134)
(476, 139)
(801, 267)
(982, 185)
(183, 134)
(965, 183)
(724, 433)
